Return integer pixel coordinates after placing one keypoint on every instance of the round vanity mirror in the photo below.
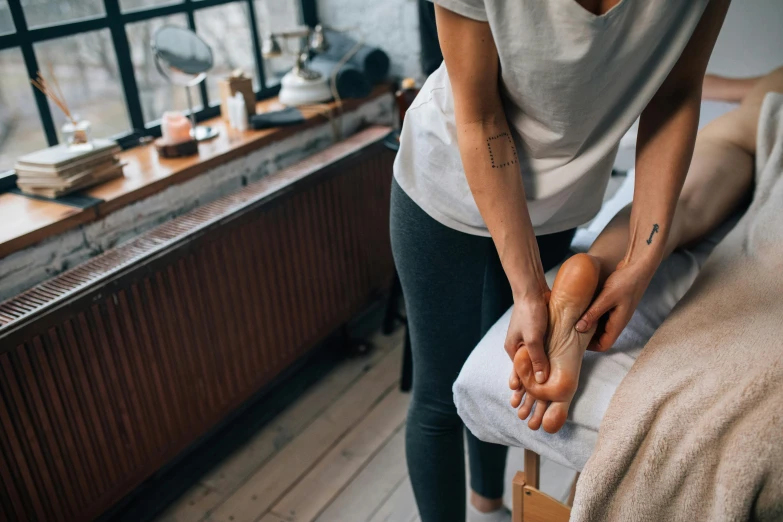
(184, 59)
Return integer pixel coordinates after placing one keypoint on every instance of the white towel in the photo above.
(694, 430)
(481, 391)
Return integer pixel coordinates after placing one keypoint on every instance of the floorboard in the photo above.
(370, 488)
(282, 471)
(290, 423)
(321, 486)
(399, 507)
(337, 454)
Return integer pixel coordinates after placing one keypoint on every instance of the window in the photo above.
(99, 51)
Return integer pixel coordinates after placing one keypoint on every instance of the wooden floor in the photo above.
(335, 455)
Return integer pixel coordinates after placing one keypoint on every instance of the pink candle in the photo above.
(175, 127)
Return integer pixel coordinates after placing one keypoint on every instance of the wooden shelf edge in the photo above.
(179, 175)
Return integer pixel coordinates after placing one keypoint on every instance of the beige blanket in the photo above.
(695, 430)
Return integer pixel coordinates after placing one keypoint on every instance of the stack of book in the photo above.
(60, 170)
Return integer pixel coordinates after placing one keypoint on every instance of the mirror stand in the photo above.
(198, 132)
(183, 58)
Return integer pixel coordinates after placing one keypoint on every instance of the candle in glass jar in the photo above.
(175, 127)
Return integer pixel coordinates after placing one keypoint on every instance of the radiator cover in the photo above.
(113, 368)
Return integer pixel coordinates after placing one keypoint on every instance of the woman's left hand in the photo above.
(618, 299)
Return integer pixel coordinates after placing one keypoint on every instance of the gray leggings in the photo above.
(455, 289)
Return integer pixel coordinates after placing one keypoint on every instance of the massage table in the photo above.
(481, 391)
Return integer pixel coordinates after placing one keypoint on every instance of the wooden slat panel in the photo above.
(139, 414)
(27, 499)
(148, 375)
(28, 440)
(76, 478)
(98, 426)
(216, 378)
(76, 415)
(116, 392)
(45, 433)
(116, 366)
(233, 255)
(175, 349)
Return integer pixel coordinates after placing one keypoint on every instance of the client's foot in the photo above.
(572, 293)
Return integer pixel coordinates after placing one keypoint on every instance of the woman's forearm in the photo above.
(491, 166)
(719, 179)
(667, 133)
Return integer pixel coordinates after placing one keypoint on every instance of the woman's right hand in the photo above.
(527, 328)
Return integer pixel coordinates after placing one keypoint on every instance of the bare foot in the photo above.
(572, 293)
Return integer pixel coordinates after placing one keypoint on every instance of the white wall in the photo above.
(751, 41)
(392, 25)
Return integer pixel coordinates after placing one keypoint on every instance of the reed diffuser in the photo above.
(76, 131)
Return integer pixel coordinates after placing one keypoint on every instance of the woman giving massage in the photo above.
(719, 180)
(505, 151)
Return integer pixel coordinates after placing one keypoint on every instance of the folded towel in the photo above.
(351, 82)
(694, 430)
(371, 61)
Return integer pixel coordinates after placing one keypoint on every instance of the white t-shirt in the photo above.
(572, 83)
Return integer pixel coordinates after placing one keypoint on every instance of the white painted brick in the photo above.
(392, 25)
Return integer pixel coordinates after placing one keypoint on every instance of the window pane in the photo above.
(157, 94)
(6, 22)
(85, 66)
(49, 12)
(226, 29)
(131, 5)
(20, 125)
(276, 15)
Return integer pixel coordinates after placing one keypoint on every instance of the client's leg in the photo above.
(720, 178)
(726, 89)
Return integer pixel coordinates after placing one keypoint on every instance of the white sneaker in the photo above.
(499, 515)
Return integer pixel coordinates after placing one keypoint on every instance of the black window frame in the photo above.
(115, 20)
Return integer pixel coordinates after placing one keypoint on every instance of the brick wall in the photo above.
(392, 25)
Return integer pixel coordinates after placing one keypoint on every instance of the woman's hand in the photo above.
(527, 328)
(618, 298)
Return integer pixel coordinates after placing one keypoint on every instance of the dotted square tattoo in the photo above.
(497, 157)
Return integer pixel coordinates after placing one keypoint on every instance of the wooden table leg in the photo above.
(517, 497)
(532, 468)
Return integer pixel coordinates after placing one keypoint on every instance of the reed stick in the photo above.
(53, 92)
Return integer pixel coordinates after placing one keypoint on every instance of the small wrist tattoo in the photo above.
(496, 153)
(654, 230)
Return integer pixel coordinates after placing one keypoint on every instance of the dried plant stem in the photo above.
(53, 92)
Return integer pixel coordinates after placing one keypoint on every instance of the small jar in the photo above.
(77, 132)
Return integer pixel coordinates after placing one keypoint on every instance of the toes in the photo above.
(516, 397)
(524, 410)
(555, 416)
(535, 421)
(513, 380)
